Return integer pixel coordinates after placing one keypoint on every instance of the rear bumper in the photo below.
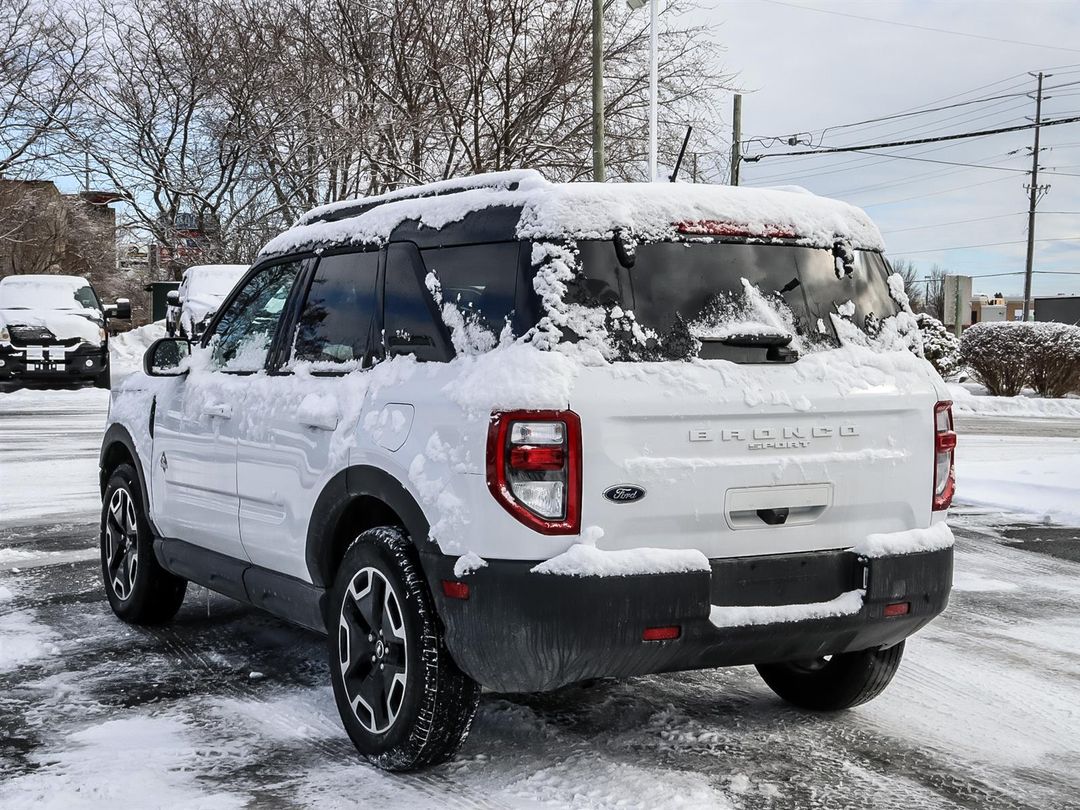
(519, 631)
(79, 363)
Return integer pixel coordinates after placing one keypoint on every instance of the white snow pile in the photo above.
(126, 349)
(891, 544)
(468, 563)
(6, 594)
(972, 398)
(846, 604)
(591, 211)
(23, 639)
(584, 559)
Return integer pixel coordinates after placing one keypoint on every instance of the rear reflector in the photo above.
(661, 633)
(455, 590)
(532, 457)
(898, 609)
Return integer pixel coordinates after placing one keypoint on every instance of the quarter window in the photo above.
(480, 280)
(242, 337)
(336, 323)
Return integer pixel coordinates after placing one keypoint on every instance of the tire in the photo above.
(841, 682)
(416, 708)
(139, 590)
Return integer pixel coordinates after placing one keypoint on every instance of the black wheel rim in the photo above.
(121, 544)
(372, 650)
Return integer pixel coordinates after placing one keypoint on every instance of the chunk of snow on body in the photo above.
(937, 537)
(582, 560)
(468, 563)
(846, 604)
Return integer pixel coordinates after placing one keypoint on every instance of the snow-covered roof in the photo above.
(650, 211)
(45, 279)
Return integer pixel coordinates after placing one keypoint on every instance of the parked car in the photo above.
(515, 434)
(202, 289)
(53, 328)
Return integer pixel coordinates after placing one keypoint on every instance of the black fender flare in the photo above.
(338, 494)
(118, 434)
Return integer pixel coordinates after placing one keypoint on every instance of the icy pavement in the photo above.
(228, 707)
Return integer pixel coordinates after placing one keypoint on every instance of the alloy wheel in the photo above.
(122, 544)
(372, 650)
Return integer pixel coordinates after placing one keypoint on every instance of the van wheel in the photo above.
(139, 590)
(403, 700)
(834, 683)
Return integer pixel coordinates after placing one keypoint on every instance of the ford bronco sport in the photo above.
(509, 433)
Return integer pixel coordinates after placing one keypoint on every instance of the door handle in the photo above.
(221, 410)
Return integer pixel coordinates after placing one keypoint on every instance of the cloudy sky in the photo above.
(808, 65)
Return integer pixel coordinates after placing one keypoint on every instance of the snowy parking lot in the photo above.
(229, 707)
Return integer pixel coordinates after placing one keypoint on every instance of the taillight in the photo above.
(534, 468)
(944, 451)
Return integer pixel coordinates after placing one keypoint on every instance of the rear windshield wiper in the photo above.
(748, 348)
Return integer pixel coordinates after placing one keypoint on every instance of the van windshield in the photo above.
(719, 290)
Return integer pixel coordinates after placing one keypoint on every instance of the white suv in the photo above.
(508, 433)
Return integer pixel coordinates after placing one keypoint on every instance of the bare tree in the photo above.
(935, 292)
(43, 66)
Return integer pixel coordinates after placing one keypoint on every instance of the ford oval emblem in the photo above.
(624, 493)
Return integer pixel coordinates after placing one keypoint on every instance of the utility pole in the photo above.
(598, 90)
(1035, 192)
(736, 138)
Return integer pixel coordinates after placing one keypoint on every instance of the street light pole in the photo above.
(654, 80)
(654, 69)
(598, 90)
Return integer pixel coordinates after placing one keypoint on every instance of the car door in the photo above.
(193, 487)
(318, 390)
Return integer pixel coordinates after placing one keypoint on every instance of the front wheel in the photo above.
(139, 590)
(834, 683)
(403, 700)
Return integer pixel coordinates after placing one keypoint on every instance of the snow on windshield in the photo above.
(47, 293)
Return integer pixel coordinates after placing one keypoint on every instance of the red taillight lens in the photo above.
(537, 458)
(944, 456)
(534, 468)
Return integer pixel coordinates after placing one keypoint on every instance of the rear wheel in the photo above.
(403, 700)
(836, 682)
(139, 590)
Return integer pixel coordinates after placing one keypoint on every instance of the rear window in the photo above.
(480, 280)
(702, 287)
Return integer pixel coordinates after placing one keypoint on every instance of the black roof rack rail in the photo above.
(362, 207)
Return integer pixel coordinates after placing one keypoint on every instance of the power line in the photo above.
(924, 27)
(987, 244)
(935, 193)
(948, 162)
(959, 222)
(914, 142)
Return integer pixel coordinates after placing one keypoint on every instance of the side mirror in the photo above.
(166, 356)
(172, 298)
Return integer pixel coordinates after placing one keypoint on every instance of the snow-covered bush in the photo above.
(1005, 357)
(999, 355)
(1055, 359)
(940, 346)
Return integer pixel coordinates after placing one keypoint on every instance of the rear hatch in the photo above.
(811, 447)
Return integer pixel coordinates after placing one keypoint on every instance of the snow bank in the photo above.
(126, 349)
(6, 594)
(935, 538)
(589, 211)
(846, 604)
(971, 398)
(584, 560)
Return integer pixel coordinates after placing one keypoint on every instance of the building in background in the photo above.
(1060, 308)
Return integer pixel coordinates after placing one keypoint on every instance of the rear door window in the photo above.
(480, 280)
(337, 319)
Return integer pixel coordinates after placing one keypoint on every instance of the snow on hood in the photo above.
(650, 211)
(44, 292)
(82, 324)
